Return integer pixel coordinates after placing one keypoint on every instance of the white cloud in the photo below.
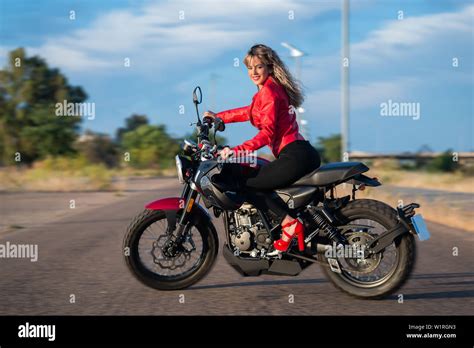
(413, 34)
(396, 42)
(390, 62)
(153, 35)
(325, 103)
(63, 56)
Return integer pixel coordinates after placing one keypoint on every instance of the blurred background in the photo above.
(96, 97)
(387, 83)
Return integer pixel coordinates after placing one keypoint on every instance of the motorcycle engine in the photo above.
(247, 232)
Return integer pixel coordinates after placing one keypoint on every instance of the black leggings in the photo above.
(294, 161)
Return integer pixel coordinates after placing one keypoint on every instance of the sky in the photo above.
(415, 53)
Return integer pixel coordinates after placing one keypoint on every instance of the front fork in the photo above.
(186, 203)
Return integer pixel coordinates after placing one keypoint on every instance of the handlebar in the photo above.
(219, 125)
(208, 119)
(209, 151)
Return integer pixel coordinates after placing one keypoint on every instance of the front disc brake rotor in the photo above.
(169, 254)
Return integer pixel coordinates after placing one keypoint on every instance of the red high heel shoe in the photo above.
(282, 245)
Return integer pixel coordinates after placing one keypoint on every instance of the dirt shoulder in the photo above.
(454, 182)
(454, 209)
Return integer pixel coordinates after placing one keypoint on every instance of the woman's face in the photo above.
(258, 72)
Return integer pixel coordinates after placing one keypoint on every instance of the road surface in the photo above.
(80, 268)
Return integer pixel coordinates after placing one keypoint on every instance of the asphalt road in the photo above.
(80, 254)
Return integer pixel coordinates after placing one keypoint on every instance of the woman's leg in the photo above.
(266, 200)
(280, 173)
(296, 160)
(277, 174)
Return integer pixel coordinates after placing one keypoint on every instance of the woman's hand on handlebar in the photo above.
(226, 152)
(209, 114)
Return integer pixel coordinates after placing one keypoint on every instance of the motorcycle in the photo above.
(365, 247)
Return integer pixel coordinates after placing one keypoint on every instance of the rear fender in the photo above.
(403, 226)
(363, 179)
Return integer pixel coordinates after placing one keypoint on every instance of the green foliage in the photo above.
(62, 164)
(221, 140)
(329, 148)
(95, 176)
(422, 162)
(29, 90)
(443, 163)
(98, 148)
(131, 123)
(150, 146)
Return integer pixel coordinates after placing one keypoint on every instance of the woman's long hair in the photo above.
(278, 70)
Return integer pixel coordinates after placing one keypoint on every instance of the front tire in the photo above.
(162, 281)
(404, 246)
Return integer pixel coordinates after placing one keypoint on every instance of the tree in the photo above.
(29, 91)
(221, 140)
(131, 123)
(150, 146)
(443, 163)
(421, 162)
(329, 148)
(98, 148)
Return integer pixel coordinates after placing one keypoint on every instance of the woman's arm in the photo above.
(235, 115)
(269, 118)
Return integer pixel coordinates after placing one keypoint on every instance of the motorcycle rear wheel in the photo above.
(404, 246)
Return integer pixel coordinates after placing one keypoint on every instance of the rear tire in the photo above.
(160, 282)
(404, 244)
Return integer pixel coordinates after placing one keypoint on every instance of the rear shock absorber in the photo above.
(323, 221)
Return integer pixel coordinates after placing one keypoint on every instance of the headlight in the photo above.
(205, 182)
(179, 167)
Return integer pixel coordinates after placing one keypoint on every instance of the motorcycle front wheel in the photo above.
(162, 263)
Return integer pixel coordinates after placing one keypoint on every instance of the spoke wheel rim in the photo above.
(150, 246)
(390, 258)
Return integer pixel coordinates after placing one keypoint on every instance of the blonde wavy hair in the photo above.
(278, 70)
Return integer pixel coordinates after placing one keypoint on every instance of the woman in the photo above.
(272, 112)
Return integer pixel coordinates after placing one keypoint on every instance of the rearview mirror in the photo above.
(197, 95)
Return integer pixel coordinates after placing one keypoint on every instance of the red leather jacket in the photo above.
(271, 114)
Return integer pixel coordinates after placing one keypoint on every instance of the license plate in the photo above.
(420, 227)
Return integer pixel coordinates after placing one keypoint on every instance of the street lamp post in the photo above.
(345, 82)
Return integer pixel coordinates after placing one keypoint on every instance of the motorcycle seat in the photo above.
(331, 173)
